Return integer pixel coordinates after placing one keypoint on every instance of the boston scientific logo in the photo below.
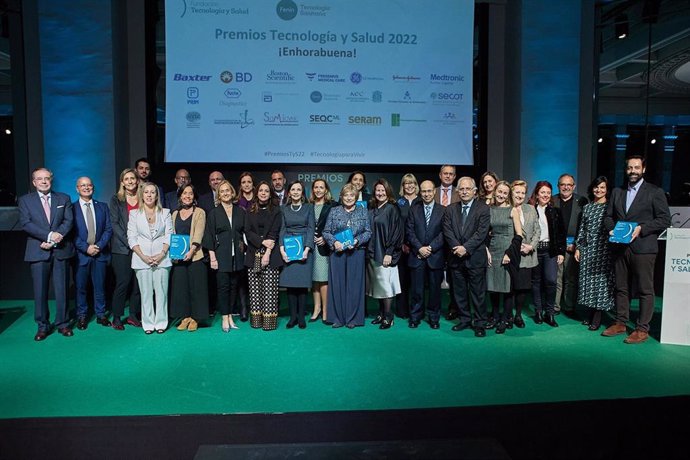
(279, 77)
(286, 10)
(356, 78)
(316, 96)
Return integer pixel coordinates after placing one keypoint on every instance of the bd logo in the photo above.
(239, 77)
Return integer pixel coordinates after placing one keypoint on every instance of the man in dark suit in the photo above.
(92, 241)
(46, 216)
(182, 179)
(465, 228)
(424, 231)
(280, 197)
(570, 204)
(646, 205)
(207, 201)
(446, 195)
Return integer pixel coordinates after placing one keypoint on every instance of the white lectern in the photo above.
(675, 314)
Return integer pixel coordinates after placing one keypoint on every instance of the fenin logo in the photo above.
(316, 96)
(356, 78)
(232, 93)
(286, 10)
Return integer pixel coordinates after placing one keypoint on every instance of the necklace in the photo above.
(292, 206)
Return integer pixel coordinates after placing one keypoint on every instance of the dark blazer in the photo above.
(473, 235)
(32, 220)
(104, 231)
(259, 226)
(418, 234)
(649, 210)
(387, 233)
(557, 242)
(206, 202)
(320, 224)
(171, 201)
(579, 202)
(221, 237)
(119, 217)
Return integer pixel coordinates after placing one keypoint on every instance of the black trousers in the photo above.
(433, 305)
(629, 266)
(470, 284)
(228, 284)
(125, 284)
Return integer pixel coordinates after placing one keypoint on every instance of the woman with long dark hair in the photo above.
(263, 259)
(550, 254)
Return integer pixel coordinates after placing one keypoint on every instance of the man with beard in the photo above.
(644, 204)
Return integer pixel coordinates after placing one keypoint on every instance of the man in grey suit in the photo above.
(570, 204)
(465, 228)
(46, 216)
(446, 195)
(646, 205)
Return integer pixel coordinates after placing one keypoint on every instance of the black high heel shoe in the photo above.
(386, 323)
(378, 320)
(315, 318)
(292, 323)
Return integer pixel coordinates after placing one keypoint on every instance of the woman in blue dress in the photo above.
(322, 200)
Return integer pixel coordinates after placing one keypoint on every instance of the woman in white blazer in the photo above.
(148, 233)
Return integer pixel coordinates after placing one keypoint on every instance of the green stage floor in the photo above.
(103, 372)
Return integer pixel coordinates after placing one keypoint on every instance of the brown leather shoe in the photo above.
(638, 336)
(614, 329)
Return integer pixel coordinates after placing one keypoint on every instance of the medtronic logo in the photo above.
(191, 77)
(316, 96)
(356, 78)
(193, 117)
(232, 93)
(438, 78)
(286, 10)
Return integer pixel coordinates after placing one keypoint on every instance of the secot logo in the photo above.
(191, 77)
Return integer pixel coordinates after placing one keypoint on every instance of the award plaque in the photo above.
(622, 232)
(346, 237)
(293, 247)
(179, 246)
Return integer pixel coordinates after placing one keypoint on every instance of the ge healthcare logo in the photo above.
(192, 95)
(193, 119)
(286, 10)
(239, 77)
(356, 78)
(316, 96)
(324, 119)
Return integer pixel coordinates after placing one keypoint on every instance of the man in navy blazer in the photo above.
(92, 240)
(466, 227)
(46, 216)
(645, 204)
(426, 255)
(170, 199)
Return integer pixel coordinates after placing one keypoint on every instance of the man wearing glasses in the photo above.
(570, 204)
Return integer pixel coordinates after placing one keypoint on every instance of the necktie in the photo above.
(46, 207)
(444, 198)
(465, 210)
(90, 225)
(427, 214)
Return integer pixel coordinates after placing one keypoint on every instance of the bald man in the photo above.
(207, 201)
(182, 179)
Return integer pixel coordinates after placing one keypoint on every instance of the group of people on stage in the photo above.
(247, 243)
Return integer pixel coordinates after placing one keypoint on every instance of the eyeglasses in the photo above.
(566, 185)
